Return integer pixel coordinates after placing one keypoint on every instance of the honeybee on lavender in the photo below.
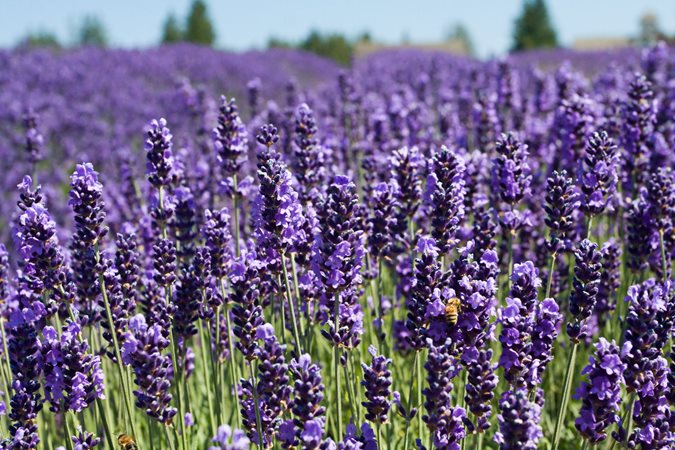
(452, 309)
(126, 442)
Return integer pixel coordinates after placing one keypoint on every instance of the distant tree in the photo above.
(460, 33)
(41, 39)
(199, 28)
(333, 46)
(171, 31)
(534, 29)
(92, 33)
(650, 30)
(278, 43)
(365, 37)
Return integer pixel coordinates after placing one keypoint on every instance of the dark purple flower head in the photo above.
(585, 288)
(425, 289)
(601, 394)
(247, 313)
(638, 229)
(338, 249)
(73, 378)
(382, 222)
(519, 421)
(230, 138)
(160, 161)
(545, 330)
(441, 368)
(510, 172)
(515, 337)
(26, 365)
(377, 385)
(648, 324)
(143, 351)
(85, 440)
(28, 194)
(405, 166)
(216, 233)
(661, 200)
(34, 139)
(481, 383)
(276, 211)
(639, 116)
(309, 416)
(525, 282)
(561, 202)
(308, 154)
(573, 123)
(444, 196)
(86, 200)
(610, 279)
(598, 175)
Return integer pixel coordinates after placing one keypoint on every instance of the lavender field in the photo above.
(206, 250)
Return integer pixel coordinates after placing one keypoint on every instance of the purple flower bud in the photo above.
(585, 288)
(519, 421)
(377, 385)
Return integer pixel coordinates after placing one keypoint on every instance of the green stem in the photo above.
(230, 341)
(410, 395)
(258, 420)
(207, 379)
(566, 395)
(69, 434)
(106, 425)
(420, 424)
(550, 275)
(336, 369)
(126, 390)
(291, 304)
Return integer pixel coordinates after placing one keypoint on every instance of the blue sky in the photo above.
(242, 25)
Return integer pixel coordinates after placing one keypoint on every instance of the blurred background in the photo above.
(340, 30)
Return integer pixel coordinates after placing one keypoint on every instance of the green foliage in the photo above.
(41, 39)
(171, 31)
(332, 46)
(278, 43)
(534, 29)
(460, 33)
(199, 29)
(92, 33)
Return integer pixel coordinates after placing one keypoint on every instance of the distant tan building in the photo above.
(601, 43)
(454, 46)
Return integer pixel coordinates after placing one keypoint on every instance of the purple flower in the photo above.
(610, 280)
(546, 327)
(26, 365)
(382, 222)
(481, 383)
(585, 288)
(216, 233)
(247, 313)
(309, 416)
(73, 378)
(519, 421)
(561, 202)
(160, 161)
(34, 139)
(377, 385)
(444, 196)
(230, 138)
(601, 394)
(308, 154)
(511, 178)
(85, 440)
(277, 214)
(405, 165)
(441, 368)
(639, 116)
(598, 175)
(227, 439)
(142, 350)
(425, 289)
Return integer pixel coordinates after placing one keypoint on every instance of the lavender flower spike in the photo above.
(377, 385)
(601, 394)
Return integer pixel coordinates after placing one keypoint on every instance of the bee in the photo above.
(452, 308)
(126, 442)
